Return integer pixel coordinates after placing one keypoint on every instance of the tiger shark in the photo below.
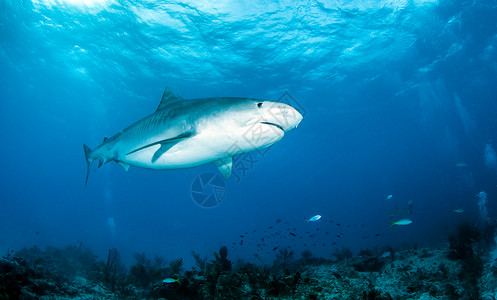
(184, 133)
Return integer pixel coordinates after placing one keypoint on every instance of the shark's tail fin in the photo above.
(88, 161)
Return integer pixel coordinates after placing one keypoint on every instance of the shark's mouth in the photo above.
(273, 124)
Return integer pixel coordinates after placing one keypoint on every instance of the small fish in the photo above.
(459, 210)
(274, 249)
(389, 197)
(314, 219)
(171, 280)
(386, 254)
(199, 278)
(292, 234)
(401, 222)
(377, 235)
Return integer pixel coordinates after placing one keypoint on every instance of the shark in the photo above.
(185, 133)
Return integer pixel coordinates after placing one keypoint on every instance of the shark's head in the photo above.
(262, 123)
(276, 114)
(265, 114)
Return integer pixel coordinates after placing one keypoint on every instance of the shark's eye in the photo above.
(259, 105)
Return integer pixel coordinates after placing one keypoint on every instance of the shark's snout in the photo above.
(298, 117)
(284, 116)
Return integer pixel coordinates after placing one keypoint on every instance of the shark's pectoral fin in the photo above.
(124, 165)
(224, 165)
(163, 149)
(164, 145)
(168, 144)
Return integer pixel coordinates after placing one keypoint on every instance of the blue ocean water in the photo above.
(399, 98)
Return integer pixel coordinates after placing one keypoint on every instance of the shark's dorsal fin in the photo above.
(167, 98)
(224, 165)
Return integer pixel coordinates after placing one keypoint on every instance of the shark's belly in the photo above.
(185, 154)
(205, 147)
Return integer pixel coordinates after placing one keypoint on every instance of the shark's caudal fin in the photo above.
(101, 161)
(88, 161)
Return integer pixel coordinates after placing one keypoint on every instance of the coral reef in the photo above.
(67, 273)
(200, 261)
(461, 241)
(463, 270)
(342, 254)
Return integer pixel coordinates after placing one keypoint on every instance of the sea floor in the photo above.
(74, 273)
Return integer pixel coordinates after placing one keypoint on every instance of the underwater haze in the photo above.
(399, 105)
